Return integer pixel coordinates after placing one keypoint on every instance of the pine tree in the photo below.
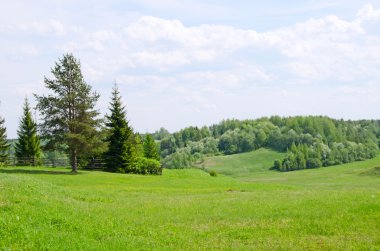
(4, 145)
(69, 117)
(150, 148)
(121, 153)
(27, 148)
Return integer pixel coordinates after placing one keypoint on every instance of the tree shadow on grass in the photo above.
(31, 171)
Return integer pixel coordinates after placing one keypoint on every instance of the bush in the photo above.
(148, 166)
(120, 170)
(313, 163)
(276, 165)
(213, 173)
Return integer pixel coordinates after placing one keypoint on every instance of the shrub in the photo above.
(276, 165)
(212, 173)
(313, 163)
(120, 170)
(148, 166)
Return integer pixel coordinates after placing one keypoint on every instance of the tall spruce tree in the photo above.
(69, 116)
(4, 145)
(27, 148)
(150, 148)
(121, 153)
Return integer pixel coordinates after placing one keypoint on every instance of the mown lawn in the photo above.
(334, 208)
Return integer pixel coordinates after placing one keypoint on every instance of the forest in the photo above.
(309, 141)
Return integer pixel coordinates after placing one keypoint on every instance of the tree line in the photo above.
(71, 124)
(310, 141)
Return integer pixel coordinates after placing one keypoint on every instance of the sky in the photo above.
(194, 63)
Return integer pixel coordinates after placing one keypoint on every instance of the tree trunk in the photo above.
(74, 167)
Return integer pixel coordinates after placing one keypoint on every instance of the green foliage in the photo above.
(56, 158)
(237, 141)
(303, 156)
(207, 146)
(213, 173)
(27, 148)
(148, 166)
(150, 148)
(4, 145)
(324, 141)
(161, 134)
(186, 157)
(121, 153)
(139, 145)
(168, 146)
(182, 158)
(277, 165)
(69, 120)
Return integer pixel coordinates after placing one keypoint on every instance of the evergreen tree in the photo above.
(4, 145)
(27, 148)
(121, 153)
(150, 148)
(69, 117)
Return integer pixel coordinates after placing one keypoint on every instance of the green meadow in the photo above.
(245, 207)
(243, 164)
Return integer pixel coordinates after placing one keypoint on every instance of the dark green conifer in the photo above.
(27, 148)
(4, 145)
(121, 153)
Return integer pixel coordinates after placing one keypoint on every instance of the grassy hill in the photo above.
(243, 164)
(334, 208)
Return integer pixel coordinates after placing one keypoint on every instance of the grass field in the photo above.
(244, 164)
(334, 208)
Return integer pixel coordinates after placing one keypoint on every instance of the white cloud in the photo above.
(207, 69)
(324, 49)
(368, 13)
(317, 49)
(327, 47)
(161, 60)
(51, 26)
(207, 37)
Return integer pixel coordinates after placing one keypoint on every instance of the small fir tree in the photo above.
(150, 148)
(4, 145)
(27, 148)
(121, 153)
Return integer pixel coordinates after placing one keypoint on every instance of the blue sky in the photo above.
(182, 63)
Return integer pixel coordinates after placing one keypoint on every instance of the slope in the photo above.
(243, 164)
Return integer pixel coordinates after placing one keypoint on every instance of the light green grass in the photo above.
(334, 208)
(243, 164)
